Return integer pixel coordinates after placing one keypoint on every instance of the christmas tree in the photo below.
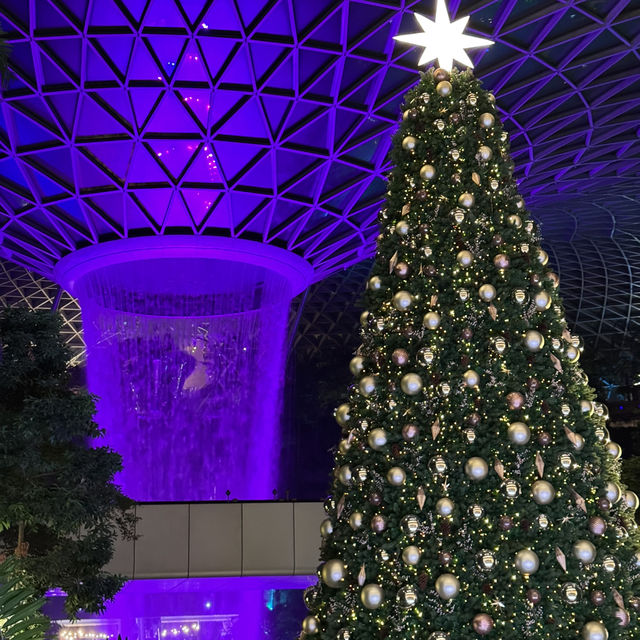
(476, 490)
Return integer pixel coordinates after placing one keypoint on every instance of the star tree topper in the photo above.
(443, 39)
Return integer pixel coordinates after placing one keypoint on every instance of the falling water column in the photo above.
(186, 350)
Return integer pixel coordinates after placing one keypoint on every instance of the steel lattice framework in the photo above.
(271, 119)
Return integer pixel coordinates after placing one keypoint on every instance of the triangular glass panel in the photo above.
(40, 110)
(87, 175)
(144, 169)
(216, 52)
(144, 101)
(263, 56)
(200, 201)
(67, 52)
(329, 31)
(51, 73)
(248, 121)
(117, 49)
(192, 9)
(22, 58)
(57, 162)
(174, 154)
(118, 100)
(198, 103)
(276, 22)
(11, 173)
(314, 134)
(114, 155)
(143, 66)
(276, 110)
(134, 9)
(238, 71)
(97, 69)
(176, 214)
(155, 203)
(260, 176)
(283, 77)
(204, 168)
(77, 8)
(223, 16)
(223, 102)
(168, 50)
(46, 187)
(89, 113)
(191, 68)
(171, 117)
(234, 156)
(64, 105)
(163, 13)
(28, 132)
(47, 17)
(106, 14)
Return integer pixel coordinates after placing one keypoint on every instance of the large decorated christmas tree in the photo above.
(476, 491)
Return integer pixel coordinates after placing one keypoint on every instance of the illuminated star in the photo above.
(443, 39)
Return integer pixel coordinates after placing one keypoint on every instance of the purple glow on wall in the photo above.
(186, 342)
(193, 609)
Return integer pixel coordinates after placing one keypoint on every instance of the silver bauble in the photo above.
(344, 474)
(409, 143)
(584, 551)
(476, 511)
(445, 389)
(527, 562)
(375, 283)
(485, 153)
(486, 560)
(566, 460)
(500, 344)
(470, 435)
(407, 597)
(425, 356)
(410, 524)
(463, 294)
(372, 596)
(542, 300)
(396, 476)
(511, 488)
(543, 492)
(594, 631)
(533, 340)
(367, 386)
(543, 521)
(444, 507)
(344, 634)
(411, 384)
(464, 258)
(631, 500)
(310, 625)
(402, 300)
(487, 292)
(466, 200)
(476, 468)
(377, 439)
(520, 296)
(486, 120)
(614, 450)
(428, 172)
(439, 123)
(570, 592)
(444, 88)
(431, 320)
(411, 555)
(326, 528)
(565, 410)
(447, 586)
(471, 378)
(356, 365)
(439, 635)
(438, 465)
(333, 573)
(610, 564)
(356, 520)
(519, 433)
(458, 215)
(613, 492)
(360, 474)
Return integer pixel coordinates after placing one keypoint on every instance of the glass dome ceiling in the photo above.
(270, 120)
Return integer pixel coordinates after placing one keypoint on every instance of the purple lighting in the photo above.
(185, 340)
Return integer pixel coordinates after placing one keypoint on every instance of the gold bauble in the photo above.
(470, 435)
(485, 153)
(511, 488)
(411, 555)
(543, 492)
(333, 573)
(402, 300)
(364, 318)
(566, 461)
(402, 228)
(396, 476)
(594, 631)
(375, 283)
(514, 220)
(411, 384)
(572, 353)
(372, 596)
(613, 492)
(356, 365)
(464, 258)
(447, 586)
(527, 562)
(631, 500)
(326, 528)
(409, 143)
(344, 474)
(377, 439)
(445, 389)
(533, 340)
(342, 414)
(584, 551)
(431, 320)
(476, 468)
(586, 406)
(466, 200)
(565, 409)
(543, 257)
(472, 99)
(356, 520)
(344, 446)
(471, 378)
(578, 442)
(486, 120)
(428, 172)
(310, 625)
(487, 292)
(542, 300)
(444, 507)
(367, 386)
(614, 450)
(444, 88)
(519, 433)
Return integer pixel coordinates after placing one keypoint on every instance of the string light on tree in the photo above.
(476, 492)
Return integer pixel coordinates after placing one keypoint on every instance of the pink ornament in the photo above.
(400, 357)
(597, 526)
(501, 261)
(515, 400)
(623, 617)
(378, 523)
(409, 432)
(483, 624)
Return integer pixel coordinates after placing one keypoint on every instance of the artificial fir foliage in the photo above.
(476, 491)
